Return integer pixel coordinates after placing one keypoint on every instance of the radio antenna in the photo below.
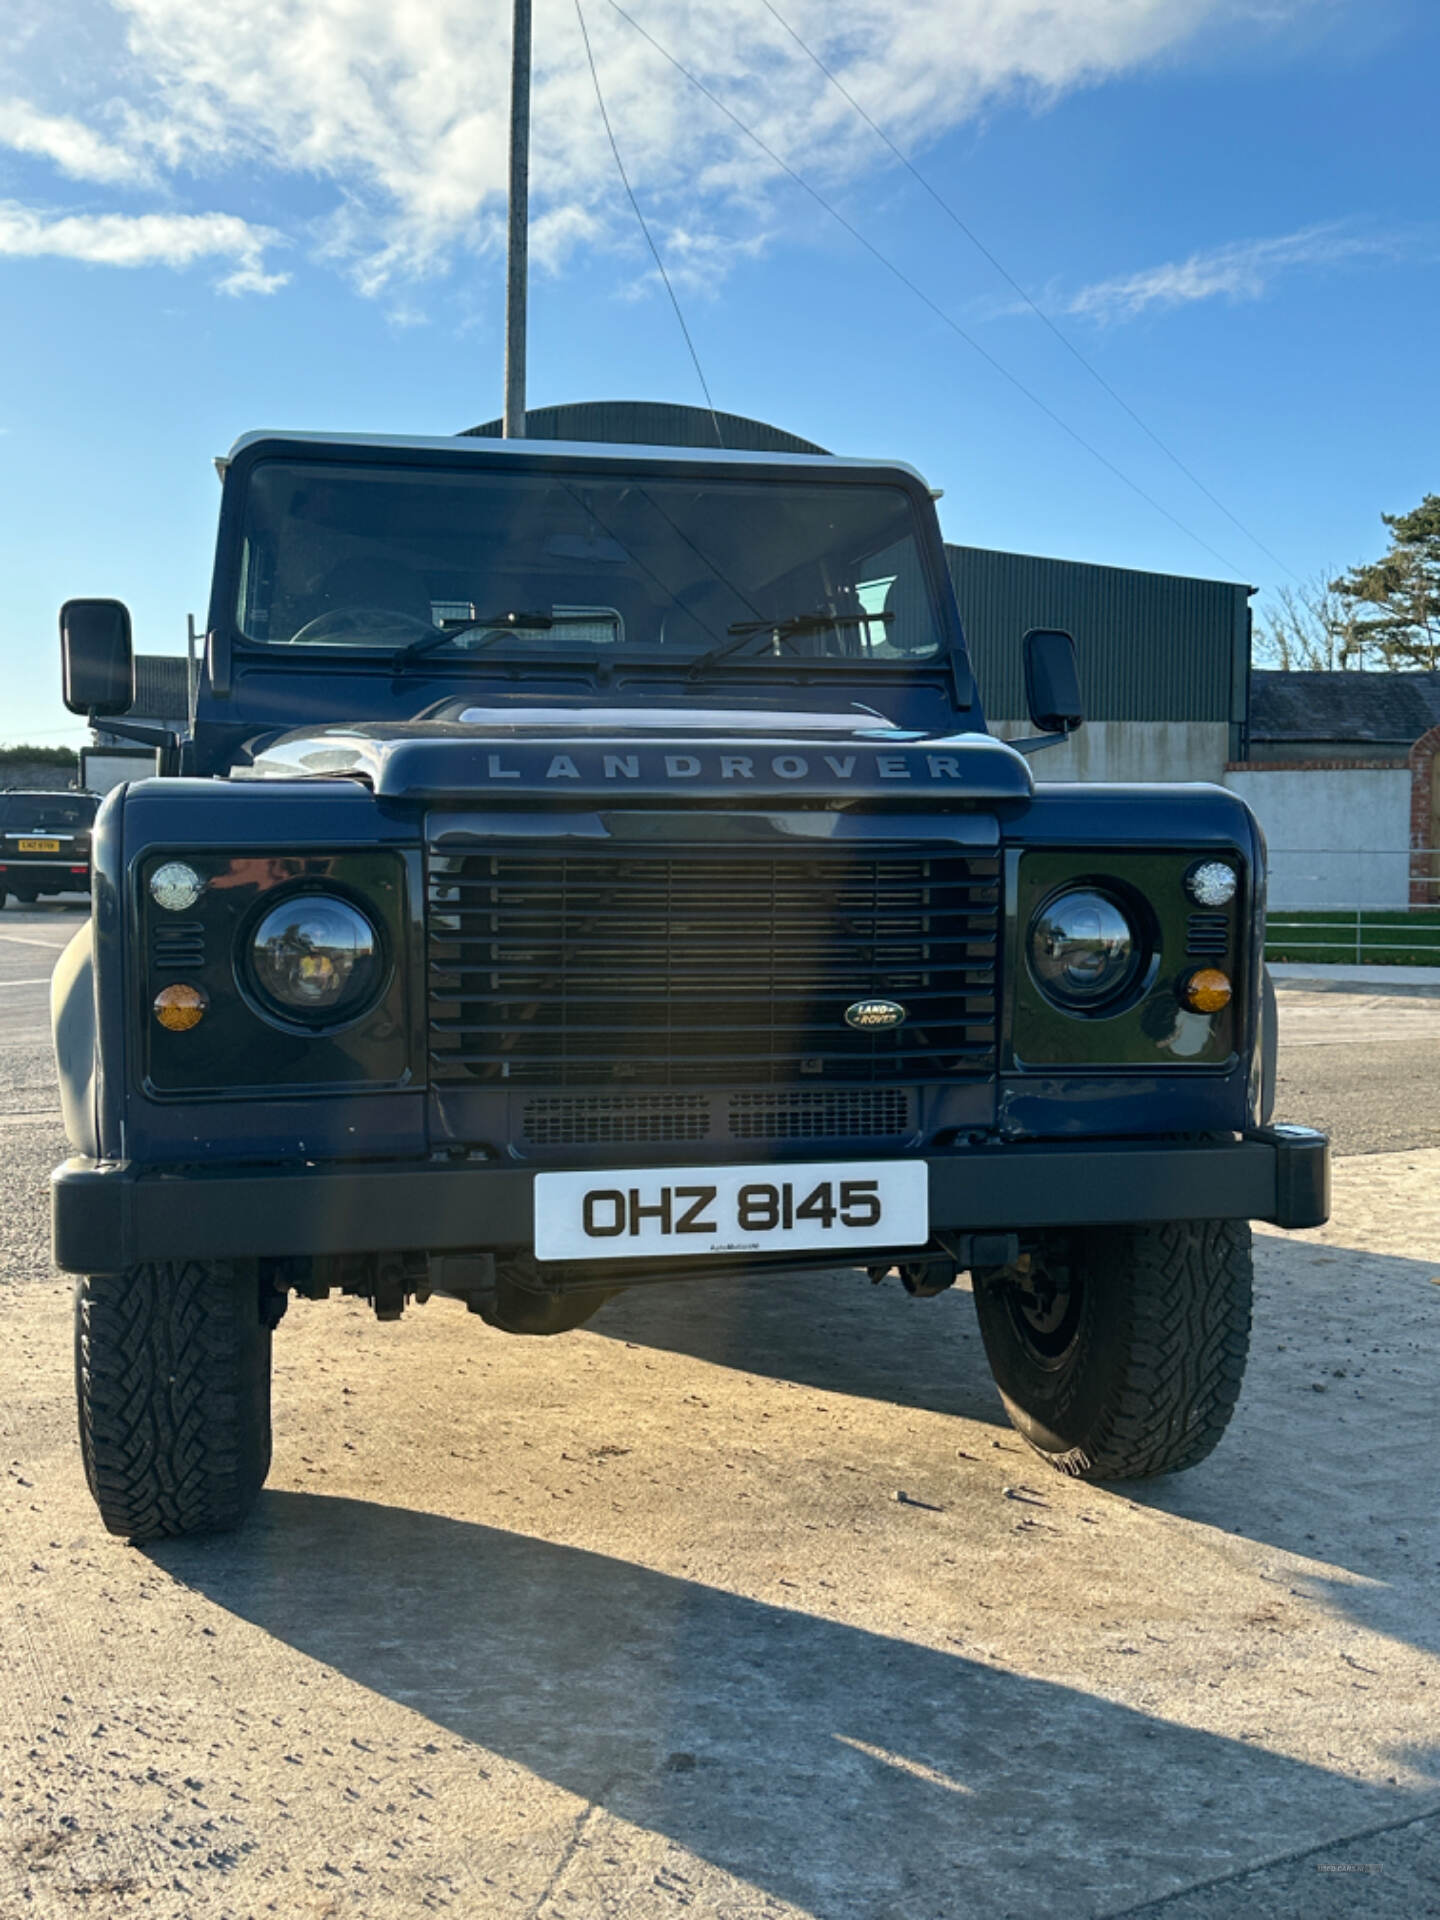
(517, 271)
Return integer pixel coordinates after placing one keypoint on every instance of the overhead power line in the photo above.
(1010, 281)
(920, 294)
(649, 237)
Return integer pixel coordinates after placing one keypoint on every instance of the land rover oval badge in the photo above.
(868, 1014)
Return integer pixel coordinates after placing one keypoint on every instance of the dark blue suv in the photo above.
(589, 866)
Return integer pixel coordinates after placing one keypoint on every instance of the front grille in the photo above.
(709, 969)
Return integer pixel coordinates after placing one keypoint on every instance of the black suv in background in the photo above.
(44, 843)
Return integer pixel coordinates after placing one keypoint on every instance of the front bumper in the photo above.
(109, 1215)
(44, 876)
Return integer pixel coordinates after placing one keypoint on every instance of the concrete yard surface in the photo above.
(638, 1622)
(743, 1601)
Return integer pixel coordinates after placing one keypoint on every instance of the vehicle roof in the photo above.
(600, 452)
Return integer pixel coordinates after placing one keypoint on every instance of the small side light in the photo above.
(1206, 990)
(1211, 883)
(175, 886)
(180, 1007)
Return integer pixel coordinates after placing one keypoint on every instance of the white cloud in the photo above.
(76, 149)
(398, 108)
(144, 240)
(1242, 270)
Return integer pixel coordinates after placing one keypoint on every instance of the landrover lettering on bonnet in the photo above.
(725, 766)
(882, 1014)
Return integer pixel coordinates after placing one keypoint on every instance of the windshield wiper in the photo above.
(790, 627)
(513, 620)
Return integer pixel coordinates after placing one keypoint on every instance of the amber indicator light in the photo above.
(180, 1007)
(1206, 990)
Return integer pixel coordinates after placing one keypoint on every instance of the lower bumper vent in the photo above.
(655, 1119)
(595, 1121)
(830, 1113)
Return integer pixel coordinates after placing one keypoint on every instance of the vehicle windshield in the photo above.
(47, 809)
(400, 558)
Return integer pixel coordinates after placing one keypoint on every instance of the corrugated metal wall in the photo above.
(1152, 646)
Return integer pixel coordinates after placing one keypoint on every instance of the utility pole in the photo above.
(518, 258)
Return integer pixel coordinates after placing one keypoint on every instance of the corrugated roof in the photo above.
(1343, 707)
(651, 423)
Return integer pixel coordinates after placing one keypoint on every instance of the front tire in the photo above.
(1119, 1351)
(172, 1375)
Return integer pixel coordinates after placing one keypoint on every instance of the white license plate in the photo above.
(682, 1211)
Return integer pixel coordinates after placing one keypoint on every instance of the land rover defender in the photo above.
(588, 866)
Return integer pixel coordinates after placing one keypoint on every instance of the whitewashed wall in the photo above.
(1131, 750)
(1338, 836)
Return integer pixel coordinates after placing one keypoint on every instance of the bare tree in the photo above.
(1309, 627)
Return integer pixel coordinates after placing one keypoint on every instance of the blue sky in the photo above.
(218, 217)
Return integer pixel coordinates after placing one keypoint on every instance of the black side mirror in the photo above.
(97, 656)
(1052, 681)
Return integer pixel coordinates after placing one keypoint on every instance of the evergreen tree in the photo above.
(1392, 605)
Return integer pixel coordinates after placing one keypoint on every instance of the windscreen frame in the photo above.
(583, 465)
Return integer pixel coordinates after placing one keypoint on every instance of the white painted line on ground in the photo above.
(25, 940)
(41, 980)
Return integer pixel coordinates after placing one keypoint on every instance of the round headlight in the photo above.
(1083, 949)
(314, 958)
(1211, 883)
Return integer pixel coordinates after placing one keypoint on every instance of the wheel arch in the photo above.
(1269, 1047)
(72, 1027)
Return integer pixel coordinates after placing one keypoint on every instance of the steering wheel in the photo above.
(340, 623)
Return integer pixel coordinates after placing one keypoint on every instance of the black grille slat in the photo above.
(581, 968)
(178, 946)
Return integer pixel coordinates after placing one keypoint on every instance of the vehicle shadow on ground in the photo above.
(858, 1776)
(835, 1331)
(1344, 1476)
(1315, 1475)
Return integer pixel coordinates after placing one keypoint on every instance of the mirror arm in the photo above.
(163, 737)
(166, 741)
(1036, 742)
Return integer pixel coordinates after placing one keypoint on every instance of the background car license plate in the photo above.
(769, 1209)
(38, 846)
